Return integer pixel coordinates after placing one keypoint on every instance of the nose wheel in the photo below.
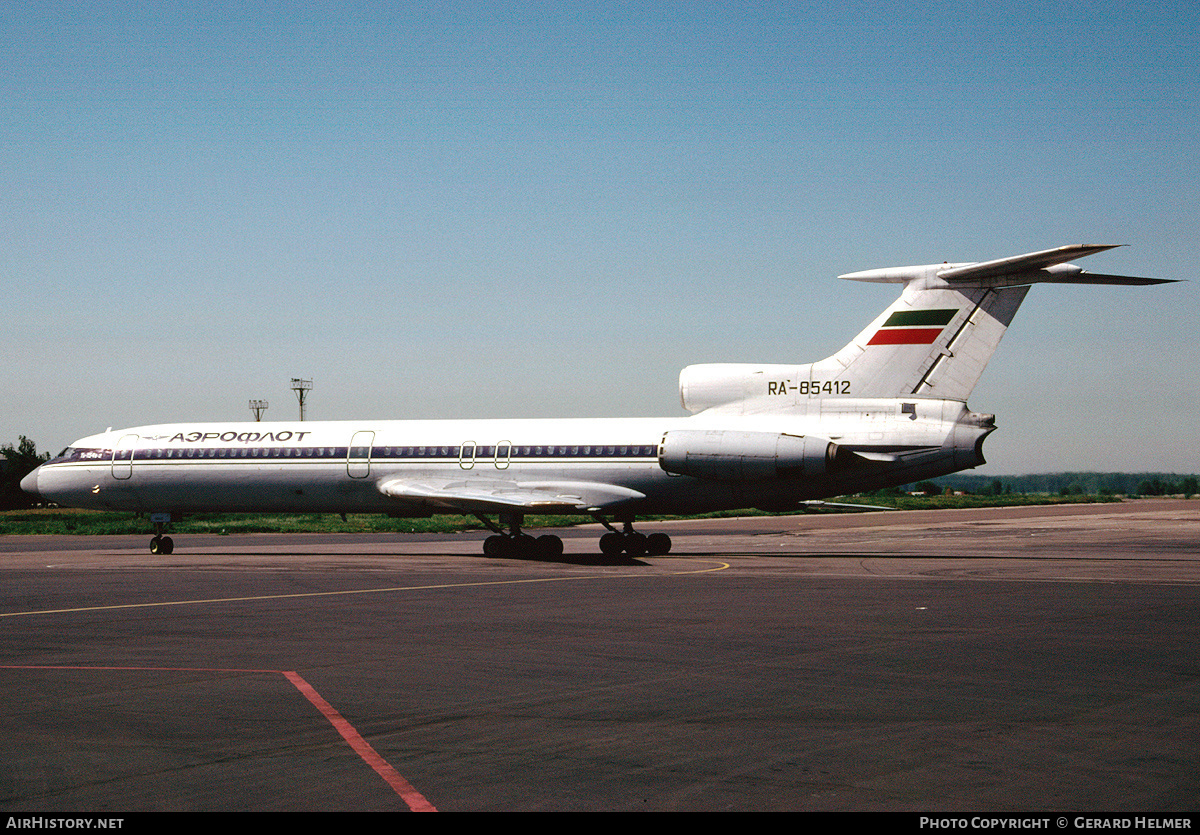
(161, 544)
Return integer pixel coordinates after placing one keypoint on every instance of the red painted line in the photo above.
(138, 669)
(415, 800)
(905, 336)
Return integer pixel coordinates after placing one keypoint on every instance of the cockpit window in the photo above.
(75, 454)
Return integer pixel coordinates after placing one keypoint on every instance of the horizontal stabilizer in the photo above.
(1048, 266)
(1085, 277)
(1021, 263)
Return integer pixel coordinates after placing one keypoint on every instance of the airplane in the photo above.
(890, 408)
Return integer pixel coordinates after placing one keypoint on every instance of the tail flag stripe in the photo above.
(910, 318)
(906, 336)
(912, 327)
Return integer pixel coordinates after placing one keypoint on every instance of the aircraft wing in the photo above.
(482, 495)
(817, 504)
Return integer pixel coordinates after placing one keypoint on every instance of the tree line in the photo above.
(1070, 484)
(16, 462)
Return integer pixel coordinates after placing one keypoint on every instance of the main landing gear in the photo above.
(631, 543)
(513, 544)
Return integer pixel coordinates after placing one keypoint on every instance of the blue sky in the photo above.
(475, 210)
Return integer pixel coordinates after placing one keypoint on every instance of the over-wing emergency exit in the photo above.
(888, 409)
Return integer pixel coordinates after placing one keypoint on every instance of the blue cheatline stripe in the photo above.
(380, 453)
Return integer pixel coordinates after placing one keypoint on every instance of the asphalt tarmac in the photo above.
(1015, 660)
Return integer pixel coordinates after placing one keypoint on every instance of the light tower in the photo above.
(302, 388)
(258, 407)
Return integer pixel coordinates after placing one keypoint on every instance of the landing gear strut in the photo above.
(512, 544)
(631, 543)
(161, 545)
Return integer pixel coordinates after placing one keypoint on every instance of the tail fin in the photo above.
(930, 342)
(937, 338)
(934, 341)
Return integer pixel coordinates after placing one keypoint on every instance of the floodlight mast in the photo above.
(302, 388)
(258, 407)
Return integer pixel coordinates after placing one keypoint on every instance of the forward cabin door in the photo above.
(358, 456)
(122, 457)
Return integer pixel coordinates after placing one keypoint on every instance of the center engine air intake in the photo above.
(730, 455)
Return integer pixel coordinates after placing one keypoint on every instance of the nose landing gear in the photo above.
(161, 545)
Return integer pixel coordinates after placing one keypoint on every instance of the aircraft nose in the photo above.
(29, 482)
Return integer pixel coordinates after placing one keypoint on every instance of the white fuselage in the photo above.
(617, 465)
